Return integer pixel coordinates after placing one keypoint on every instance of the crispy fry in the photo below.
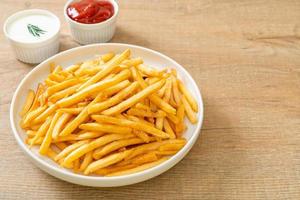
(188, 110)
(133, 62)
(176, 93)
(143, 113)
(110, 66)
(82, 136)
(69, 149)
(63, 93)
(107, 57)
(168, 129)
(43, 116)
(135, 125)
(149, 71)
(97, 87)
(188, 96)
(167, 94)
(88, 158)
(98, 153)
(42, 131)
(32, 115)
(60, 86)
(28, 102)
(141, 134)
(63, 119)
(151, 147)
(74, 111)
(113, 100)
(107, 161)
(134, 99)
(93, 145)
(116, 88)
(48, 137)
(154, 98)
(106, 128)
(139, 168)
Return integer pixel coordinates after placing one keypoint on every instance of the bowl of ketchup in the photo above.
(91, 21)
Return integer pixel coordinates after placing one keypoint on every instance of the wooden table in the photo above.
(245, 57)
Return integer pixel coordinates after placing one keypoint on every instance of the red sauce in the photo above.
(90, 11)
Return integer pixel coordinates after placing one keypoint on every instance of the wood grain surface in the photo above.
(245, 57)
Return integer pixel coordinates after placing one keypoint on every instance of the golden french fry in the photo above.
(141, 134)
(132, 124)
(46, 113)
(82, 136)
(107, 57)
(149, 71)
(148, 157)
(152, 80)
(72, 68)
(48, 137)
(188, 110)
(154, 98)
(88, 158)
(63, 93)
(105, 128)
(144, 113)
(28, 103)
(171, 147)
(139, 168)
(60, 86)
(113, 100)
(110, 66)
(132, 62)
(51, 153)
(61, 145)
(107, 161)
(168, 129)
(82, 117)
(144, 148)
(111, 169)
(116, 88)
(74, 111)
(32, 115)
(63, 119)
(166, 153)
(159, 123)
(41, 131)
(176, 93)
(69, 149)
(93, 145)
(134, 99)
(167, 94)
(35, 103)
(31, 133)
(188, 96)
(97, 87)
(99, 153)
(56, 77)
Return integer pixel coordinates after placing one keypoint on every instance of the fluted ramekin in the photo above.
(35, 51)
(93, 33)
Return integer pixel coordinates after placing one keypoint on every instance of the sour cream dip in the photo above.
(33, 34)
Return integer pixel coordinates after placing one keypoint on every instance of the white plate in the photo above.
(66, 58)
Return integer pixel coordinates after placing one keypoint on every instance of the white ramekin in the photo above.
(37, 51)
(93, 33)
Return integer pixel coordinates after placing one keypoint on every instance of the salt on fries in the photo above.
(109, 116)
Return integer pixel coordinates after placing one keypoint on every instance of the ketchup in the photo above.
(90, 11)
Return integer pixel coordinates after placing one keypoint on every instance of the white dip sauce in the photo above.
(19, 28)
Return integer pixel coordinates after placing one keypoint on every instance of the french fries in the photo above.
(109, 116)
